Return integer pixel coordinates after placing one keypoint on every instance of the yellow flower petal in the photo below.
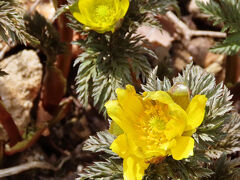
(100, 15)
(161, 150)
(183, 149)
(115, 129)
(120, 146)
(160, 96)
(116, 4)
(130, 102)
(189, 133)
(175, 127)
(153, 126)
(123, 4)
(125, 146)
(196, 112)
(133, 168)
(117, 114)
(74, 9)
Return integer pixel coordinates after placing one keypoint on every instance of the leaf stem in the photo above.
(9, 125)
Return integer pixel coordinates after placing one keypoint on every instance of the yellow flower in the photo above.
(153, 126)
(100, 15)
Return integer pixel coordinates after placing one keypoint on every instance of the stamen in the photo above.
(103, 13)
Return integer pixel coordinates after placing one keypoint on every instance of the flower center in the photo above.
(156, 123)
(157, 113)
(103, 13)
(151, 127)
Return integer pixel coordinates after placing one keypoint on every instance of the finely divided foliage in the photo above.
(110, 60)
(223, 11)
(157, 6)
(106, 65)
(226, 12)
(47, 35)
(226, 169)
(154, 84)
(111, 167)
(230, 46)
(12, 27)
(230, 143)
(200, 82)
(209, 137)
(218, 104)
(107, 170)
(99, 143)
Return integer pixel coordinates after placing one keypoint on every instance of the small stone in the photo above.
(181, 57)
(160, 41)
(155, 36)
(44, 7)
(214, 62)
(199, 48)
(20, 87)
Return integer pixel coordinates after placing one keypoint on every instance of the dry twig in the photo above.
(34, 6)
(24, 167)
(189, 33)
(31, 165)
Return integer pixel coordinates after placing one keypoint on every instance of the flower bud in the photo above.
(180, 94)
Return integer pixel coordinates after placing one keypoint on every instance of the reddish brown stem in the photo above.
(136, 82)
(233, 69)
(9, 125)
(22, 145)
(64, 61)
(32, 139)
(235, 91)
(54, 88)
(2, 145)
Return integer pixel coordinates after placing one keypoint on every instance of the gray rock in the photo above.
(20, 87)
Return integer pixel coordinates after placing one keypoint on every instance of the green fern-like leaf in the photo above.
(226, 13)
(230, 46)
(100, 143)
(191, 168)
(63, 9)
(86, 71)
(223, 11)
(92, 82)
(111, 166)
(108, 63)
(154, 84)
(47, 35)
(110, 169)
(226, 169)
(12, 25)
(158, 6)
(230, 143)
(218, 104)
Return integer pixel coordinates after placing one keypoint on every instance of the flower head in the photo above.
(153, 126)
(100, 15)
